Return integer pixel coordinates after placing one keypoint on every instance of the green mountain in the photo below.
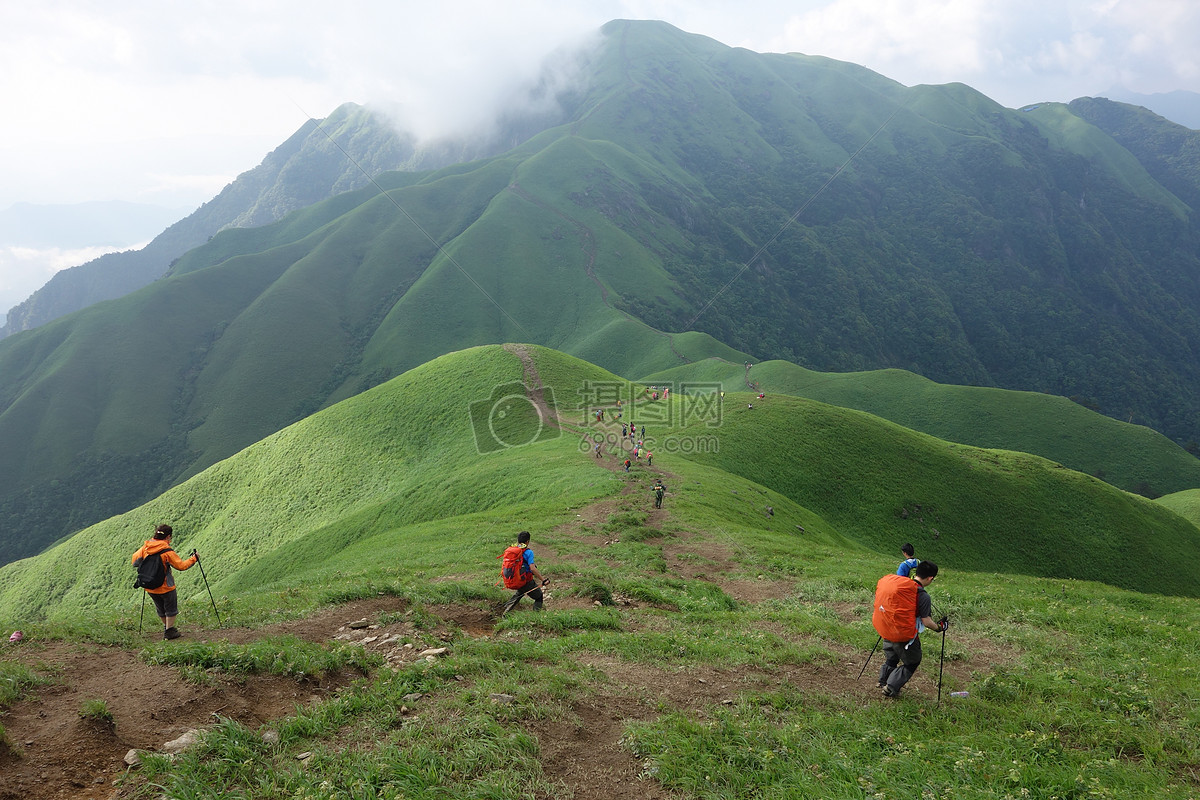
(691, 201)
(439, 449)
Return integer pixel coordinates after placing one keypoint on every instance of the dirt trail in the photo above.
(53, 754)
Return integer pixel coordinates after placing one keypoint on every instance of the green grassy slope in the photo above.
(402, 464)
(1131, 457)
(1186, 504)
(893, 485)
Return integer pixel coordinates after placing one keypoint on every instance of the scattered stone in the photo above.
(408, 645)
(702, 680)
(183, 742)
(305, 756)
(503, 699)
(369, 639)
(433, 651)
(726, 702)
(413, 697)
(132, 759)
(270, 737)
(360, 623)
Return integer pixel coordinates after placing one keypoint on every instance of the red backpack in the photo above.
(895, 614)
(513, 569)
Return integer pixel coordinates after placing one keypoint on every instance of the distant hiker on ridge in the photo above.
(909, 563)
(658, 490)
(156, 578)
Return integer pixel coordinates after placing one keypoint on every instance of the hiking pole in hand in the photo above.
(868, 661)
(943, 623)
(142, 616)
(511, 603)
(206, 586)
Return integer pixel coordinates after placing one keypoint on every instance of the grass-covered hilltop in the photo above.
(711, 648)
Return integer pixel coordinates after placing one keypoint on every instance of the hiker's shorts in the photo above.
(167, 603)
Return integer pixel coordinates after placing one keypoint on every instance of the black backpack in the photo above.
(151, 571)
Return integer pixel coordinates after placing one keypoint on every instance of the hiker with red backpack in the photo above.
(902, 610)
(154, 560)
(518, 573)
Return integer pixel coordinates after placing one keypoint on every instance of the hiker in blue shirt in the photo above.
(533, 580)
(909, 563)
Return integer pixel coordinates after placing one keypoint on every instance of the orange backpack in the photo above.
(895, 614)
(513, 569)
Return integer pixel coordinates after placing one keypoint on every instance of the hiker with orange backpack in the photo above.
(518, 573)
(902, 610)
(156, 578)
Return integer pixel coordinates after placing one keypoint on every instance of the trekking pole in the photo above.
(868, 661)
(206, 586)
(142, 616)
(941, 663)
(511, 602)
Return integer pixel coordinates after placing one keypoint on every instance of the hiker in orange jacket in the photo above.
(166, 599)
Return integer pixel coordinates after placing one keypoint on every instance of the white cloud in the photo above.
(110, 100)
(1016, 51)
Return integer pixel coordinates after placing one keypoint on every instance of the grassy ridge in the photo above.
(980, 509)
(1077, 688)
(403, 460)
(1132, 457)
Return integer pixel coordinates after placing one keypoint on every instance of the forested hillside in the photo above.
(692, 201)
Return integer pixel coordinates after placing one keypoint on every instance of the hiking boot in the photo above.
(172, 633)
(888, 691)
(537, 606)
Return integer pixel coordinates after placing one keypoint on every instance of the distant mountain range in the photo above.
(688, 201)
(1180, 106)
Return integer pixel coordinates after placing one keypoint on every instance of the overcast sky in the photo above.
(166, 102)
